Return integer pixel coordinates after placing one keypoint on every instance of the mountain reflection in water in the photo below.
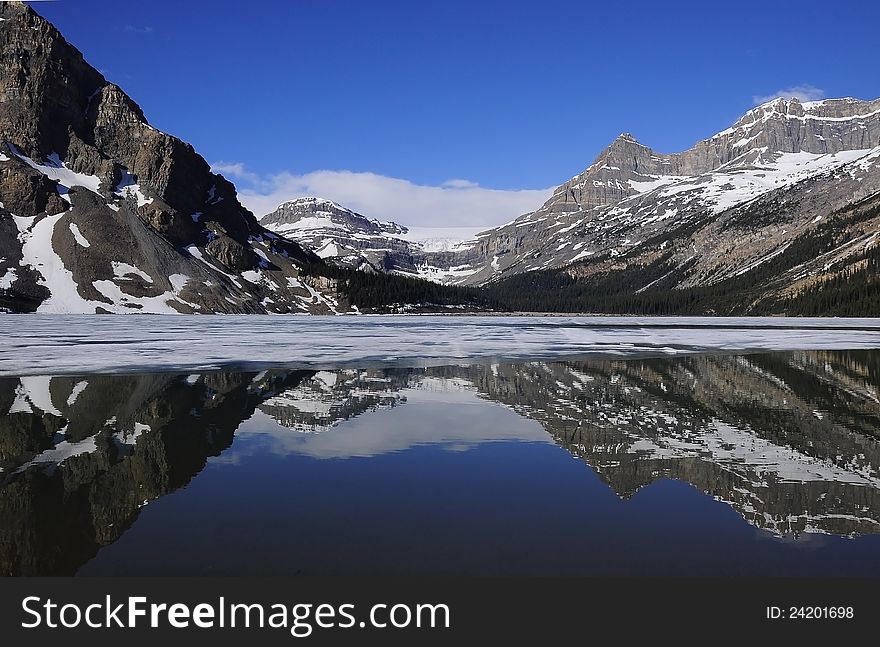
(791, 441)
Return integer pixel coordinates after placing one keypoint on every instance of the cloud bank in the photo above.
(455, 203)
(804, 92)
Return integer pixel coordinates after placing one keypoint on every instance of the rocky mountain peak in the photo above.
(631, 193)
(101, 212)
(314, 212)
(615, 175)
(626, 138)
(344, 237)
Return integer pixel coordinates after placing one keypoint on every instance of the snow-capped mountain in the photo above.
(633, 203)
(342, 236)
(348, 239)
(788, 173)
(101, 212)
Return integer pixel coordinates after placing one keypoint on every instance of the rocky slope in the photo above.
(100, 212)
(717, 210)
(80, 457)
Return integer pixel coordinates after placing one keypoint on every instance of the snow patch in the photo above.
(128, 187)
(159, 304)
(36, 390)
(55, 169)
(78, 388)
(77, 236)
(8, 279)
(122, 272)
(129, 438)
(61, 452)
(38, 253)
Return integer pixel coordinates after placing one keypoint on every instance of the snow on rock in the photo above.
(55, 169)
(77, 235)
(63, 451)
(155, 305)
(37, 251)
(36, 390)
(20, 404)
(123, 271)
(129, 438)
(8, 278)
(328, 249)
(78, 388)
(128, 187)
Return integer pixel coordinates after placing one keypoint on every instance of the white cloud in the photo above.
(235, 170)
(805, 92)
(456, 203)
(459, 184)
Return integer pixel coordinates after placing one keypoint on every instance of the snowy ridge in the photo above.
(635, 424)
(631, 193)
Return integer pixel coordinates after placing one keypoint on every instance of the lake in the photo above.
(439, 445)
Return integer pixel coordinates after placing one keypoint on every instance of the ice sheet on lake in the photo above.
(78, 344)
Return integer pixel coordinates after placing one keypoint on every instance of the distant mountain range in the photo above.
(769, 215)
(100, 212)
(348, 239)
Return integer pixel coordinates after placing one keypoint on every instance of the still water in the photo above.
(704, 464)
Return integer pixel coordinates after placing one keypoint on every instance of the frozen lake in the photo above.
(64, 344)
(151, 445)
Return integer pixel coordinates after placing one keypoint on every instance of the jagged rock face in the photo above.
(330, 397)
(632, 194)
(101, 212)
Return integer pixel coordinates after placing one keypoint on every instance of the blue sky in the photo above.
(511, 96)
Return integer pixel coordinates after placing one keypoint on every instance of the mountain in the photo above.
(777, 214)
(766, 434)
(342, 236)
(348, 239)
(727, 205)
(81, 457)
(100, 212)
